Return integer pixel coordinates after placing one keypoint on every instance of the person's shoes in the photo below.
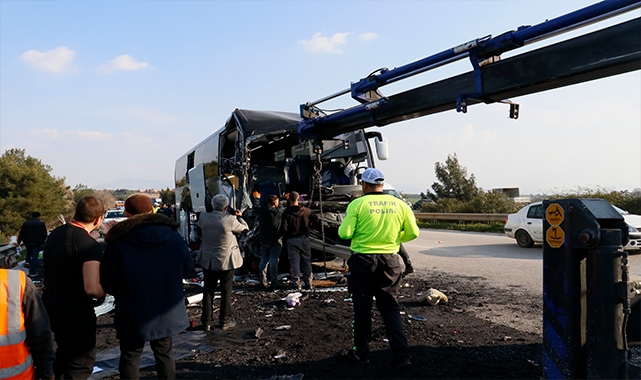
(308, 287)
(296, 287)
(206, 328)
(227, 325)
(398, 364)
(277, 285)
(409, 269)
(354, 358)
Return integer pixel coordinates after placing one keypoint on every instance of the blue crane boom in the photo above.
(484, 54)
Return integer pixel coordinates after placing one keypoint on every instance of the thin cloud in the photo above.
(368, 36)
(123, 62)
(90, 135)
(54, 61)
(323, 44)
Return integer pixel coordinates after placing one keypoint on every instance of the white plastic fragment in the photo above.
(432, 297)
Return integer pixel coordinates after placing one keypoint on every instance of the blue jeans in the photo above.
(32, 257)
(269, 254)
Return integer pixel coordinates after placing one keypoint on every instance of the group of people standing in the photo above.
(293, 225)
(145, 260)
(142, 266)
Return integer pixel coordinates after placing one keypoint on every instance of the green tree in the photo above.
(453, 181)
(168, 196)
(123, 194)
(81, 191)
(26, 185)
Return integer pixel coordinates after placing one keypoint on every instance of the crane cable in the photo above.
(318, 166)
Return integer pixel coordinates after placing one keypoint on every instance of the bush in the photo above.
(455, 226)
(626, 200)
(486, 202)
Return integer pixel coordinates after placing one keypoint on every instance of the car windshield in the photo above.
(115, 214)
(620, 211)
(392, 192)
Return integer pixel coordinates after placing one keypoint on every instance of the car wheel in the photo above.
(523, 239)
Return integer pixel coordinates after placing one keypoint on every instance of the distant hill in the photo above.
(136, 183)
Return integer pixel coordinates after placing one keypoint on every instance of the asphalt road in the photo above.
(492, 256)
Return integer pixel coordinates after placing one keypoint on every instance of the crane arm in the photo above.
(611, 51)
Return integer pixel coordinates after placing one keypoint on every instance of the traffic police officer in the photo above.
(377, 223)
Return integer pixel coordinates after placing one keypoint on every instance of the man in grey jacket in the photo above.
(219, 257)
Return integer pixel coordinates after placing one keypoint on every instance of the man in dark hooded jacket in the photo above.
(143, 267)
(295, 224)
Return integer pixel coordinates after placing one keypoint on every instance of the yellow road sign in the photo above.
(554, 214)
(555, 236)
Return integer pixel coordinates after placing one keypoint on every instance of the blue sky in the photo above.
(109, 90)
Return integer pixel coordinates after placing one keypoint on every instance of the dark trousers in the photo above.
(377, 276)
(74, 329)
(131, 350)
(211, 279)
(299, 253)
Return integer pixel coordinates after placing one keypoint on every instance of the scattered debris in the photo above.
(298, 376)
(325, 276)
(432, 297)
(258, 333)
(329, 300)
(293, 299)
(417, 318)
(280, 356)
(107, 306)
(283, 327)
(195, 299)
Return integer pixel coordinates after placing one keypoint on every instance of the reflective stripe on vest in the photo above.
(15, 358)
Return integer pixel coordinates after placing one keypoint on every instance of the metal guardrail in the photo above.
(461, 217)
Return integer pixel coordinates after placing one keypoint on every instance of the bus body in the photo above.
(259, 152)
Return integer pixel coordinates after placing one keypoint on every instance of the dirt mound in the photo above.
(481, 333)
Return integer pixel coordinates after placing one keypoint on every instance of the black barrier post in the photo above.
(583, 322)
(606, 348)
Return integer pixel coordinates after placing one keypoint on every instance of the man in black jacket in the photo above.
(33, 234)
(270, 236)
(143, 267)
(295, 226)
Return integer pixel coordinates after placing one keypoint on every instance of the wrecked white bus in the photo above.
(260, 151)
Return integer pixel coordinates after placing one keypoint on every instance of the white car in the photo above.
(526, 226)
(114, 215)
(389, 189)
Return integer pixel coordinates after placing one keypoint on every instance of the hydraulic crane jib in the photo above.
(481, 52)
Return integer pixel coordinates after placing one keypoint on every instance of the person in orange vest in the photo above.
(26, 344)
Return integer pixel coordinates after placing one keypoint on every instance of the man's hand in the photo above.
(105, 227)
